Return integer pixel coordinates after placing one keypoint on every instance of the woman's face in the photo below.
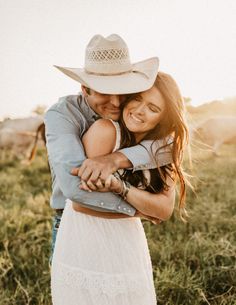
(144, 112)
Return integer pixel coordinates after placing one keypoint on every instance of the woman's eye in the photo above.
(153, 109)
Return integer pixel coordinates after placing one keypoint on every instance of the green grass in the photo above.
(193, 263)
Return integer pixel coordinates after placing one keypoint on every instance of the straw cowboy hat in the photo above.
(108, 69)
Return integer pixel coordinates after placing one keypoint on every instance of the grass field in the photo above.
(193, 263)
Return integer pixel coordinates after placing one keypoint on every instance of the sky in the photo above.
(195, 41)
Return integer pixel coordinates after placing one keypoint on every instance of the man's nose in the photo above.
(115, 100)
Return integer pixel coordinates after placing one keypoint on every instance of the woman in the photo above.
(102, 259)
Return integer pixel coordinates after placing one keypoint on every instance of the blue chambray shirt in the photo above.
(66, 122)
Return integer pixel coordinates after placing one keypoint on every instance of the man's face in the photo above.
(106, 105)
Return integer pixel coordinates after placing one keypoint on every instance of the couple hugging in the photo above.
(115, 153)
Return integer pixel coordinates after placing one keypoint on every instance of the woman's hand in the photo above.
(114, 184)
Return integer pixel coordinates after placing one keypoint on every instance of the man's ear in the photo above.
(85, 90)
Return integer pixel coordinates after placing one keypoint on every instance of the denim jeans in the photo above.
(56, 220)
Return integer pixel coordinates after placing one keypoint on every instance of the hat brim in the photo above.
(141, 78)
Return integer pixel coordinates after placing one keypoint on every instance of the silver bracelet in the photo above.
(127, 187)
(122, 185)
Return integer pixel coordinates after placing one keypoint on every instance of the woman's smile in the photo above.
(135, 119)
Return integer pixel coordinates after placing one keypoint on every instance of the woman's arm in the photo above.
(99, 142)
(158, 206)
(100, 138)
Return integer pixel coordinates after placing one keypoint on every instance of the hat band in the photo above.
(115, 74)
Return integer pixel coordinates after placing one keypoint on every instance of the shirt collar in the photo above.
(89, 113)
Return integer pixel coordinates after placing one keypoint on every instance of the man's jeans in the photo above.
(56, 220)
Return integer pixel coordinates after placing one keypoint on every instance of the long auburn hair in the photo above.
(171, 127)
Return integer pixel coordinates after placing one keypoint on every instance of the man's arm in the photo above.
(149, 155)
(143, 156)
(65, 151)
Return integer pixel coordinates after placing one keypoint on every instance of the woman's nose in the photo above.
(140, 109)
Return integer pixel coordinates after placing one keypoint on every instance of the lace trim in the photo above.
(100, 283)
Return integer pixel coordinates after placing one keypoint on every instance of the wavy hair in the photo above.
(172, 126)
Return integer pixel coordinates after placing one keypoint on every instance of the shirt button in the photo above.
(124, 209)
(102, 203)
(119, 207)
(129, 210)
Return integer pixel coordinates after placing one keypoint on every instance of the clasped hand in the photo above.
(96, 174)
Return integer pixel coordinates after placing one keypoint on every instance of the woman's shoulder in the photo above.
(107, 126)
(100, 138)
(104, 123)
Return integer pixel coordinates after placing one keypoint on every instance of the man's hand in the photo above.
(100, 167)
(94, 168)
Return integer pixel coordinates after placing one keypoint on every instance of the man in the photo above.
(108, 76)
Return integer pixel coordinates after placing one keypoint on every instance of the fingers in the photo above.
(75, 171)
(94, 176)
(99, 184)
(90, 186)
(83, 186)
(91, 169)
(84, 173)
(108, 181)
(89, 173)
(111, 183)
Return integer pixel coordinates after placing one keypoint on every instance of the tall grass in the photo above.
(193, 263)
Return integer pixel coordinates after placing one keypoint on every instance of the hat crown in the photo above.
(108, 55)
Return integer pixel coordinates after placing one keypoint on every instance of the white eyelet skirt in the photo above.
(100, 261)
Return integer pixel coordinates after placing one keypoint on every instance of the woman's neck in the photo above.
(139, 137)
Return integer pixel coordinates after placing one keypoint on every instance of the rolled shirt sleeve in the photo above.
(149, 154)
